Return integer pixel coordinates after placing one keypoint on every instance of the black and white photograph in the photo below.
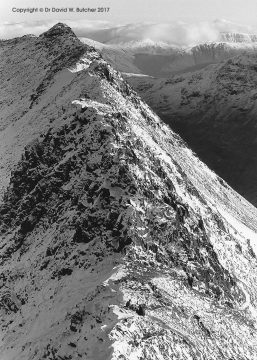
(128, 180)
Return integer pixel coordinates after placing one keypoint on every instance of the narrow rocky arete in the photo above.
(117, 242)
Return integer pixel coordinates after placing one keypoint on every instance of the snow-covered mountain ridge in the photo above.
(162, 59)
(117, 242)
(214, 110)
(238, 37)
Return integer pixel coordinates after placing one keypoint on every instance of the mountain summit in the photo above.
(58, 29)
(117, 242)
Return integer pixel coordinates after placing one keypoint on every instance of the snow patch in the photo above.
(244, 231)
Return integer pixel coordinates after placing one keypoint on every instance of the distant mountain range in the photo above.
(241, 38)
(162, 59)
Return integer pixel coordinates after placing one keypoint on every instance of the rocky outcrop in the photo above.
(116, 241)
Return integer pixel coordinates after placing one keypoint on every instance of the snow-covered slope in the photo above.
(117, 242)
(121, 58)
(215, 111)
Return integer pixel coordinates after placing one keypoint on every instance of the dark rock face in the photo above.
(141, 310)
(117, 241)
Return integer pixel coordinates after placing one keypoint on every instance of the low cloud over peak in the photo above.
(176, 33)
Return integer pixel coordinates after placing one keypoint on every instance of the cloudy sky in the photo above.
(176, 21)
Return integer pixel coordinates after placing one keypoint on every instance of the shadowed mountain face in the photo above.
(116, 241)
(179, 61)
(214, 110)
